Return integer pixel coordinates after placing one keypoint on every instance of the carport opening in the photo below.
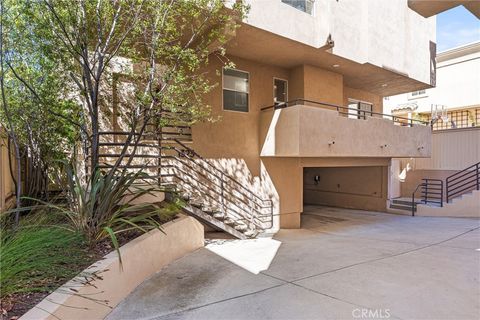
(363, 188)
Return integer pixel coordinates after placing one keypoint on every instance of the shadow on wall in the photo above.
(262, 185)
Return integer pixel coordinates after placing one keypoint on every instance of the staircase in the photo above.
(210, 195)
(462, 195)
(430, 192)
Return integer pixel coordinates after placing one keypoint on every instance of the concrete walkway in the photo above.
(343, 264)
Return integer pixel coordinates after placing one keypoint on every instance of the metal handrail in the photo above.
(245, 216)
(463, 181)
(341, 110)
(414, 204)
(221, 173)
(232, 191)
(431, 192)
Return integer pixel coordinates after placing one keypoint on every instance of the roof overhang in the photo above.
(265, 47)
(428, 8)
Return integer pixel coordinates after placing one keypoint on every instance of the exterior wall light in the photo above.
(336, 65)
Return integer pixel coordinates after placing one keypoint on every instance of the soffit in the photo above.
(265, 47)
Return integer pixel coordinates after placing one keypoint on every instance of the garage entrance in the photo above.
(362, 188)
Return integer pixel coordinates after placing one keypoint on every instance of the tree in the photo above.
(34, 111)
(78, 45)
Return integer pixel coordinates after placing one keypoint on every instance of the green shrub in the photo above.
(39, 257)
(105, 207)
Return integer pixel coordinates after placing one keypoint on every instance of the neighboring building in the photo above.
(455, 101)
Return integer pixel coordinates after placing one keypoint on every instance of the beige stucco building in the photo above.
(324, 57)
(301, 115)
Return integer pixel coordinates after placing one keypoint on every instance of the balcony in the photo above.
(305, 128)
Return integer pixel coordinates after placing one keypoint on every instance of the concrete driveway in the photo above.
(342, 264)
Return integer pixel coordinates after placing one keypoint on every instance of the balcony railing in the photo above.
(350, 112)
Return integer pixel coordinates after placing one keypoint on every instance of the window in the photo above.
(359, 109)
(280, 91)
(235, 90)
(302, 5)
(417, 94)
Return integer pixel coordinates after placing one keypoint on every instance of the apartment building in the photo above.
(302, 117)
(302, 112)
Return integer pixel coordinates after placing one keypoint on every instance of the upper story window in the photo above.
(417, 94)
(302, 5)
(359, 109)
(235, 90)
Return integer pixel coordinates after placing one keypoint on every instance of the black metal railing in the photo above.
(463, 181)
(170, 161)
(431, 192)
(347, 111)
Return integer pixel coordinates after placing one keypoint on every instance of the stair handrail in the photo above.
(240, 213)
(463, 181)
(432, 192)
(414, 203)
(222, 174)
(255, 203)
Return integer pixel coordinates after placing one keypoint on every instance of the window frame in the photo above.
(273, 89)
(361, 114)
(248, 90)
(424, 94)
(312, 14)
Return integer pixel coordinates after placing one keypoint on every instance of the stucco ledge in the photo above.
(108, 283)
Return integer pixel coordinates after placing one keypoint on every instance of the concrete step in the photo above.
(197, 203)
(219, 216)
(229, 221)
(404, 201)
(250, 233)
(401, 207)
(241, 227)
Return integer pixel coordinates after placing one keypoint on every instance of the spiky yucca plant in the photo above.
(106, 205)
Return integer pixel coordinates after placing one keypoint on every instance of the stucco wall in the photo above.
(305, 131)
(452, 150)
(387, 34)
(348, 187)
(236, 141)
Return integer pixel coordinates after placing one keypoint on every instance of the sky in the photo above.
(456, 27)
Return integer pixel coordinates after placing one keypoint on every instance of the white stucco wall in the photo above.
(384, 33)
(458, 82)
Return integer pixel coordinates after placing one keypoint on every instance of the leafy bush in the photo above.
(106, 205)
(39, 257)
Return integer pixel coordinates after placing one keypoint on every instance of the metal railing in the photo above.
(463, 181)
(346, 111)
(171, 162)
(431, 191)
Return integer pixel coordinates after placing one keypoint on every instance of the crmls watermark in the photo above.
(364, 313)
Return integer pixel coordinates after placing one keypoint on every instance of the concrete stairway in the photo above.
(208, 194)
